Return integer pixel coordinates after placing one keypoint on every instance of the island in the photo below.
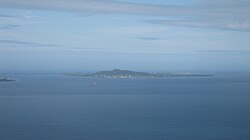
(6, 80)
(118, 73)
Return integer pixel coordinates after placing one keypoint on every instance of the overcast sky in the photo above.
(145, 35)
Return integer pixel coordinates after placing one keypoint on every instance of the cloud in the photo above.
(8, 26)
(148, 38)
(219, 14)
(237, 23)
(17, 42)
(91, 6)
(6, 16)
(224, 51)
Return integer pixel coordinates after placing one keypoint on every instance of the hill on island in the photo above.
(118, 73)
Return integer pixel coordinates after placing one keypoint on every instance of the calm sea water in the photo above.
(52, 107)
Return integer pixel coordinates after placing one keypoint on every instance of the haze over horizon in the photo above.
(144, 35)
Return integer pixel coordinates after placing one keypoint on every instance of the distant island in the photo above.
(6, 80)
(118, 73)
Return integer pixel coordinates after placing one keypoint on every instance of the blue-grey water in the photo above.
(54, 107)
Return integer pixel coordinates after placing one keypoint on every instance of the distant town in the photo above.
(118, 73)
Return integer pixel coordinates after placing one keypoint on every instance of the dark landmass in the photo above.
(6, 80)
(117, 73)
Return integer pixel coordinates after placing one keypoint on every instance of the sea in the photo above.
(58, 107)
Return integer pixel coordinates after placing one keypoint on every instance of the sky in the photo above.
(145, 35)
